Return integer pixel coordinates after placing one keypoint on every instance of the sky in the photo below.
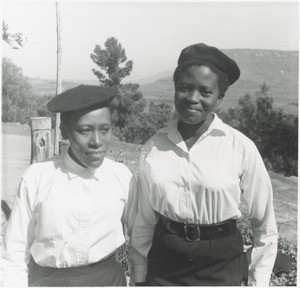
(153, 33)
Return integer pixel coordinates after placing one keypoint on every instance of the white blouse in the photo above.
(65, 215)
(206, 184)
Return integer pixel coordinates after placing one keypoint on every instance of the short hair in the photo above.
(64, 122)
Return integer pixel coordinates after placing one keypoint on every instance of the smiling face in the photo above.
(89, 134)
(197, 94)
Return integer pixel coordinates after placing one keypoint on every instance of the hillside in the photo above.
(48, 87)
(279, 69)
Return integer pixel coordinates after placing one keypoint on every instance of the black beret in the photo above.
(202, 54)
(83, 96)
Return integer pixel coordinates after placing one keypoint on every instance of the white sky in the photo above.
(152, 33)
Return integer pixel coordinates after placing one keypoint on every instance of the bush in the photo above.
(285, 247)
(274, 132)
(144, 125)
(286, 279)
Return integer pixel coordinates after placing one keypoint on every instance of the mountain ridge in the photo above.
(278, 69)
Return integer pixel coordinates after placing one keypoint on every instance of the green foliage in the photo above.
(144, 125)
(15, 40)
(109, 60)
(274, 132)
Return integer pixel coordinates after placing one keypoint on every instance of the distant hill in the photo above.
(48, 87)
(279, 69)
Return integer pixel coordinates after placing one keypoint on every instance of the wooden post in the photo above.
(58, 80)
(41, 145)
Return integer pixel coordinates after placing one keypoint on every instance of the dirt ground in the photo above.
(16, 150)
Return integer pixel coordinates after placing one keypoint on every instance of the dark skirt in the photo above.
(174, 261)
(104, 273)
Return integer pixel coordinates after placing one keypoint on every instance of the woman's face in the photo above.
(196, 94)
(89, 134)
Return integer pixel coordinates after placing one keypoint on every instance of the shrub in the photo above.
(285, 247)
(144, 125)
(274, 132)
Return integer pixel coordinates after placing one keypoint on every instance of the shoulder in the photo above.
(121, 174)
(117, 167)
(156, 141)
(43, 168)
(237, 137)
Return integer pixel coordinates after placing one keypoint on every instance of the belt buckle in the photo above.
(186, 232)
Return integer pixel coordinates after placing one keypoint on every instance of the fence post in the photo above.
(41, 144)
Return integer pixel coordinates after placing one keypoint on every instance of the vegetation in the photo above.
(279, 277)
(128, 104)
(109, 60)
(132, 124)
(274, 132)
(18, 101)
(144, 125)
(14, 40)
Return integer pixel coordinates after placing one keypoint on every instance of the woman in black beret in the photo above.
(67, 217)
(194, 176)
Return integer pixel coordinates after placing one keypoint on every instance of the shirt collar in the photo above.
(74, 170)
(174, 135)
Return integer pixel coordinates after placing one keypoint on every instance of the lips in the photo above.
(192, 107)
(97, 154)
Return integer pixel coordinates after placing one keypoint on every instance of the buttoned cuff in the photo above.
(258, 279)
(140, 273)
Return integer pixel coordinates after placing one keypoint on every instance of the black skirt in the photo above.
(174, 261)
(103, 273)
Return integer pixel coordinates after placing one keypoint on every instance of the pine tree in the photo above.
(110, 60)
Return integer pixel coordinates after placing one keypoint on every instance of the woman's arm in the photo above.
(144, 225)
(130, 210)
(17, 241)
(258, 196)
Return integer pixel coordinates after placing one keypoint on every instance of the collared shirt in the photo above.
(206, 184)
(65, 215)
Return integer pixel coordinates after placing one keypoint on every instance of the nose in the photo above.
(95, 140)
(194, 96)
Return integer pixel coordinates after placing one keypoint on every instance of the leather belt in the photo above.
(197, 232)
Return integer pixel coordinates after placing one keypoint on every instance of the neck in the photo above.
(188, 131)
(70, 152)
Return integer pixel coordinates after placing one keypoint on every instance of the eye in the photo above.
(183, 87)
(105, 129)
(205, 92)
(83, 130)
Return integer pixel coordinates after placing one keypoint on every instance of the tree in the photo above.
(109, 60)
(15, 40)
(17, 97)
(274, 132)
(140, 128)
(128, 103)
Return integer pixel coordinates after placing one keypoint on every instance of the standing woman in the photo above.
(194, 176)
(67, 216)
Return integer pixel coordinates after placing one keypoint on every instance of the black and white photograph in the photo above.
(149, 143)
